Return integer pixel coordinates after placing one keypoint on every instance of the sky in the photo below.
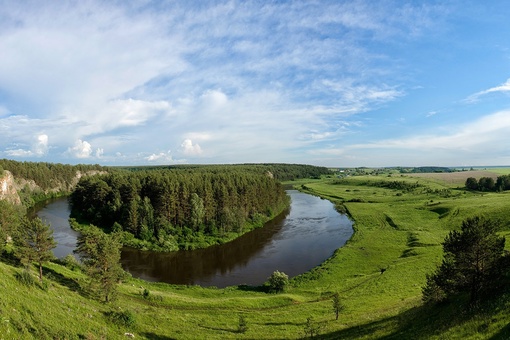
(330, 83)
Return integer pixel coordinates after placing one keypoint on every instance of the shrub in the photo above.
(277, 281)
(25, 278)
(312, 328)
(71, 262)
(121, 318)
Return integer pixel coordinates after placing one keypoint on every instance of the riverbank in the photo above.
(193, 240)
(400, 232)
(295, 241)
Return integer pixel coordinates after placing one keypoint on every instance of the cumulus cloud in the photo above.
(190, 149)
(81, 149)
(41, 146)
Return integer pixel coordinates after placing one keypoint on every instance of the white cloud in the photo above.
(505, 87)
(160, 157)
(81, 149)
(481, 135)
(475, 143)
(213, 100)
(238, 75)
(99, 152)
(359, 97)
(39, 148)
(190, 149)
(19, 153)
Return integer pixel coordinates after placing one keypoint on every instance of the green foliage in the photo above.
(124, 318)
(277, 281)
(169, 209)
(337, 305)
(10, 216)
(473, 262)
(502, 183)
(71, 262)
(312, 328)
(100, 253)
(48, 175)
(34, 243)
(25, 278)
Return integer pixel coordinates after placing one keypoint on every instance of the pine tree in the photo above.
(473, 262)
(34, 243)
(100, 254)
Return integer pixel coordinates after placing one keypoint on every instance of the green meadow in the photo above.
(399, 221)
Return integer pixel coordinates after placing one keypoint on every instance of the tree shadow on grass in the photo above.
(260, 289)
(154, 336)
(503, 334)
(62, 280)
(424, 321)
(230, 330)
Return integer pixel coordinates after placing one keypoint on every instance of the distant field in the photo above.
(459, 178)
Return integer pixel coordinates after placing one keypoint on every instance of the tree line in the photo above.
(279, 171)
(50, 179)
(502, 183)
(47, 176)
(178, 208)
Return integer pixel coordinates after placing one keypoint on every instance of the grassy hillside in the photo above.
(400, 223)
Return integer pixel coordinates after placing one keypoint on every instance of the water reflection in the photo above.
(294, 242)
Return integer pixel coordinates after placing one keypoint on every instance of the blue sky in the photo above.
(334, 83)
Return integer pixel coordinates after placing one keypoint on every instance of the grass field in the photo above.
(399, 221)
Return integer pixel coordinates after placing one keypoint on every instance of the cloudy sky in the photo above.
(335, 83)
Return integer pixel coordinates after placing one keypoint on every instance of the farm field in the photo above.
(399, 221)
(459, 178)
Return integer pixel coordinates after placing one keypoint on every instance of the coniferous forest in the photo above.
(184, 207)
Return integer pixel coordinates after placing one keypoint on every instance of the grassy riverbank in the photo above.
(400, 223)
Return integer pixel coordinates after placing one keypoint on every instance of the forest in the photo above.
(184, 207)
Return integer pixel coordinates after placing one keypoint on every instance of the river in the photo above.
(296, 241)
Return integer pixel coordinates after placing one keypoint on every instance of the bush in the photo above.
(25, 278)
(121, 318)
(71, 262)
(277, 281)
(312, 328)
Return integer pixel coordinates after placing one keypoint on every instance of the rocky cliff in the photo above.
(8, 188)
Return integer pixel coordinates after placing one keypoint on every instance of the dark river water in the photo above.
(296, 241)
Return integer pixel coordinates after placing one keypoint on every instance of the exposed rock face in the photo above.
(8, 188)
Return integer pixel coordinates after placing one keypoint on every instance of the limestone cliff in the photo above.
(8, 188)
